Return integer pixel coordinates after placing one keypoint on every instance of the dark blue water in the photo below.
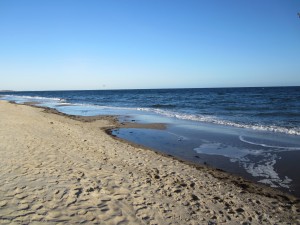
(252, 132)
(275, 109)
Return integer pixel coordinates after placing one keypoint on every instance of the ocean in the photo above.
(251, 132)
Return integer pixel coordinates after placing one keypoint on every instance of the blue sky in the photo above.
(69, 44)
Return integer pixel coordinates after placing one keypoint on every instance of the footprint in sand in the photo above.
(3, 203)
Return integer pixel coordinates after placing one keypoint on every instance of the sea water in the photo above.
(253, 132)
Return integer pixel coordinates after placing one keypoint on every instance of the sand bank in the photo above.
(58, 169)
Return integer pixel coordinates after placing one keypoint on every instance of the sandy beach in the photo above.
(56, 169)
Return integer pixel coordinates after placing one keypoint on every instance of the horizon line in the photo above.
(127, 89)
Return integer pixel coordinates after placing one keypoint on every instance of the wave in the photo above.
(214, 120)
(93, 106)
(158, 110)
(163, 106)
(278, 114)
(24, 97)
(236, 108)
(267, 146)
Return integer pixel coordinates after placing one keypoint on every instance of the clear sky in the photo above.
(116, 44)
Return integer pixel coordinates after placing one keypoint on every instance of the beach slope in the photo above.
(59, 170)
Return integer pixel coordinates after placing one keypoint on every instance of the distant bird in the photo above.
(299, 14)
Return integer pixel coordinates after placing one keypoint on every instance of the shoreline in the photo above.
(239, 181)
(171, 191)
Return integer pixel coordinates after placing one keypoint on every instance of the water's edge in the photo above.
(245, 184)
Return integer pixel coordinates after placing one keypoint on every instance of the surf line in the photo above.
(268, 146)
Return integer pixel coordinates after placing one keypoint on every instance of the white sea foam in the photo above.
(222, 150)
(166, 113)
(214, 120)
(179, 137)
(267, 171)
(263, 168)
(31, 98)
(268, 146)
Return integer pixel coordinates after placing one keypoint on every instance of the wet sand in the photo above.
(66, 169)
(226, 155)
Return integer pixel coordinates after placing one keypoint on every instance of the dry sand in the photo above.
(60, 170)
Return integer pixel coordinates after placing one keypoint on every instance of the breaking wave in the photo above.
(215, 120)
